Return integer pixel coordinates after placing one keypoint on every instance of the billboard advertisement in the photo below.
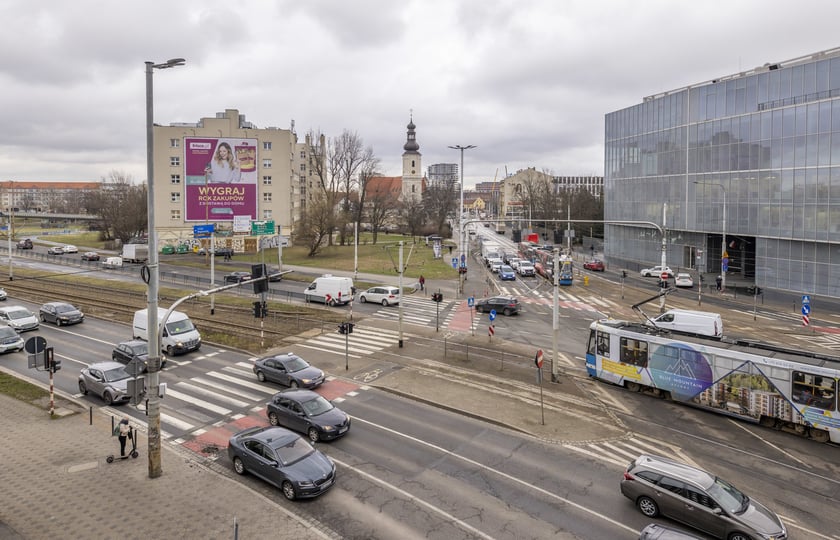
(220, 178)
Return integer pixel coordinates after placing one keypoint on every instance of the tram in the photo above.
(786, 389)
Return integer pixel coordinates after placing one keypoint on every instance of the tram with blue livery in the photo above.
(786, 389)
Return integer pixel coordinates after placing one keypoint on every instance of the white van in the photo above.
(696, 322)
(330, 290)
(112, 262)
(179, 336)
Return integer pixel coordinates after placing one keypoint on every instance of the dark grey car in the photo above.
(307, 412)
(282, 458)
(288, 369)
(60, 313)
(506, 305)
(659, 485)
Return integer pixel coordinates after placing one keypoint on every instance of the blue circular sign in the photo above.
(492, 314)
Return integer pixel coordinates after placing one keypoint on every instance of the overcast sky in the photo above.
(527, 82)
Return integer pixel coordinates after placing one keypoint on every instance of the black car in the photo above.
(283, 459)
(26, 243)
(60, 313)
(288, 369)
(135, 349)
(237, 277)
(506, 305)
(307, 412)
(90, 256)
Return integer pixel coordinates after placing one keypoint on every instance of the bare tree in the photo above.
(414, 216)
(440, 202)
(315, 224)
(122, 206)
(380, 208)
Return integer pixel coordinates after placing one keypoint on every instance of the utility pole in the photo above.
(400, 310)
(555, 321)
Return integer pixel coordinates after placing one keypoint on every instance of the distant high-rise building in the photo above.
(442, 173)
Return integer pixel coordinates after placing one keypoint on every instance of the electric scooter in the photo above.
(133, 453)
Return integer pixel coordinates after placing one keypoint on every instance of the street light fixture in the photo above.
(153, 276)
(461, 232)
(723, 254)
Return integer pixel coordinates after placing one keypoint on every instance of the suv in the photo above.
(659, 485)
(506, 305)
(26, 243)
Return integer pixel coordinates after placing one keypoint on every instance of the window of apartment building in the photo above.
(266, 164)
(266, 214)
(174, 178)
(174, 143)
(175, 196)
(175, 161)
(266, 180)
(303, 154)
(303, 167)
(266, 145)
(175, 215)
(266, 197)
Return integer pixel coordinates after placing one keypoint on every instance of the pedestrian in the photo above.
(124, 435)
(718, 281)
(422, 283)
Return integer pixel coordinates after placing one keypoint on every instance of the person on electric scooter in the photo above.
(124, 435)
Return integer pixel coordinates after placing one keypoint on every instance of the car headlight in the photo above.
(328, 428)
(306, 483)
(306, 381)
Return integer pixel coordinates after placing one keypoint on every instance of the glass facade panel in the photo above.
(769, 140)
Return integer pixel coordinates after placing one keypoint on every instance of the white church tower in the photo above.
(412, 170)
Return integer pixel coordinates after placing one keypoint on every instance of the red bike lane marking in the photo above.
(461, 320)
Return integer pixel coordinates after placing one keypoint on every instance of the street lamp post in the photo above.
(723, 254)
(153, 276)
(461, 232)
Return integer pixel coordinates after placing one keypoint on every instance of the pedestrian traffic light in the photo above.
(349, 327)
(437, 297)
(258, 271)
(55, 364)
(260, 310)
(342, 328)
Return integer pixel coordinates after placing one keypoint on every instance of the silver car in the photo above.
(659, 485)
(109, 380)
(19, 318)
(384, 295)
(10, 340)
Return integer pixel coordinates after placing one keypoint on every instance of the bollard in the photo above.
(91, 416)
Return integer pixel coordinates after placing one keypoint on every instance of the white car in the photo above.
(495, 264)
(514, 263)
(70, 248)
(19, 318)
(525, 268)
(684, 280)
(384, 295)
(656, 271)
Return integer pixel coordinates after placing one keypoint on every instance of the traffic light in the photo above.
(258, 271)
(349, 327)
(260, 310)
(55, 364)
(342, 328)
(437, 297)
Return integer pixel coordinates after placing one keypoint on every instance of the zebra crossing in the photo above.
(544, 300)
(360, 343)
(420, 310)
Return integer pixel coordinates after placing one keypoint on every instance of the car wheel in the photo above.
(83, 388)
(648, 506)
(331, 303)
(362, 299)
(506, 312)
(261, 376)
(58, 322)
(294, 384)
(288, 490)
(385, 303)
(738, 536)
(107, 398)
(273, 420)
(238, 466)
(313, 434)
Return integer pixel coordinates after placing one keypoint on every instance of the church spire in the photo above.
(411, 141)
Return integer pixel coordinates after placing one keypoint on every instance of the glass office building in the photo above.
(754, 156)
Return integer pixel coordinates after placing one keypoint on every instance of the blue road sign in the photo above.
(454, 262)
(725, 264)
(492, 315)
(806, 309)
(463, 259)
(204, 231)
(471, 301)
(806, 299)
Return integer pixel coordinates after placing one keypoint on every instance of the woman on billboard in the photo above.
(224, 168)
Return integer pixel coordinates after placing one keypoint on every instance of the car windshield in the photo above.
(296, 363)
(6, 332)
(293, 451)
(19, 314)
(140, 348)
(179, 327)
(506, 269)
(116, 374)
(64, 308)
(728, 496)
(317, 406)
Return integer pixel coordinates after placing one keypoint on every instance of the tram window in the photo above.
(603, 344)
(814, 390)
(634, 351)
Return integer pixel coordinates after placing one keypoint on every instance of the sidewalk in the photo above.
(56, 484)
